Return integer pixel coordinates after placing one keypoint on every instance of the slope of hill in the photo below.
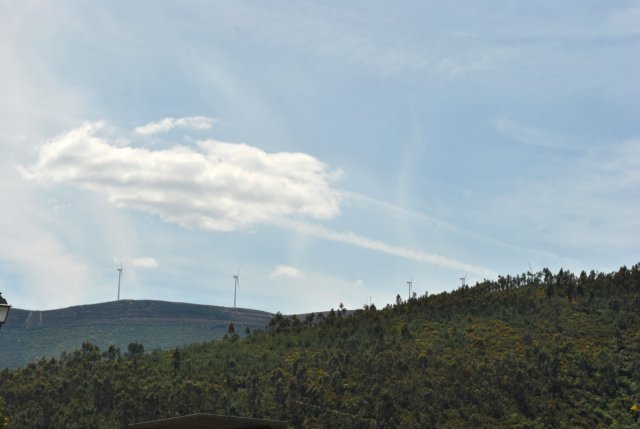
(30, 335)
(540, 350)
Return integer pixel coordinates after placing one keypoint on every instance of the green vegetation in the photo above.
(532, 351)
(4, 419)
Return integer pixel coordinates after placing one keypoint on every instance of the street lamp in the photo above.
(4, 310)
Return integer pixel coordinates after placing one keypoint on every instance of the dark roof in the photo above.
(210, 421)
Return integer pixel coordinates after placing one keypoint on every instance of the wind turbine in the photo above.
(119, 276)
(410, 283)
(236, 277)
(464, 278)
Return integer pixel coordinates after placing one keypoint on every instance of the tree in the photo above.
(135, 350)
(4, 419)
(231, 333)
(404, 332)
(175, 361)
(112, 353)
(570, 290)
(308, 320)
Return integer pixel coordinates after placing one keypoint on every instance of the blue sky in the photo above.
(331, 151)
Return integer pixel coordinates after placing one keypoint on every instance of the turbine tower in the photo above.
(410, 283)
(236, 278)
(119, 276)
(464, 278)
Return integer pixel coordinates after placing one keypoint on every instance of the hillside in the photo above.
(537, 350)
(30, 335)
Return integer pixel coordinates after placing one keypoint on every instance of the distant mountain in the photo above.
(30, 335)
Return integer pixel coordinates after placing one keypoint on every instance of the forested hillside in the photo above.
(538, 350)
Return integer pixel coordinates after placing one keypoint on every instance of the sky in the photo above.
(327, 152)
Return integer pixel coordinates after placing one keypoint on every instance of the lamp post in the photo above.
(4, 310)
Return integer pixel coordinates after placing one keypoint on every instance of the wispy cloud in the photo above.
(591, 204)
(349, 36)
(401, 211)
(286, 271)
(528, 135)
(412, 216)
(167, 124)
(625, 21)
(379, 246)
(215, 186)
(145, 262)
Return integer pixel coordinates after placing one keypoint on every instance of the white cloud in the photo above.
(286, 271)
(145, 262)
(167, 124)
(216, 186)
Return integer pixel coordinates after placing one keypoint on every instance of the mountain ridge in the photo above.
(33, 334)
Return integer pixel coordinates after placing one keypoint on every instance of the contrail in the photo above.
(403, 252)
